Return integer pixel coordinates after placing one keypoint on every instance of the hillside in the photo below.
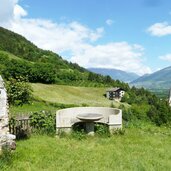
(72, 95)
(157, 80)
(115, 74)
(33, 58)
(21, 58)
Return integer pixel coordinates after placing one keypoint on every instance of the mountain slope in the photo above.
(160, 79)
(21, 58)
(19, 46)
(115, 74)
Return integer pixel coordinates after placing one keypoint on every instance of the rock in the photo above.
(5, 137)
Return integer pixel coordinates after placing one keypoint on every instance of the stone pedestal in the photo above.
(90, 128)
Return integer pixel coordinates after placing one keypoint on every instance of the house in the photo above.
(115, 93)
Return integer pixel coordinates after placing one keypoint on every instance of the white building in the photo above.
(115, 93)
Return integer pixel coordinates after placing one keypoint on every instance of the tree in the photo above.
(19, 91)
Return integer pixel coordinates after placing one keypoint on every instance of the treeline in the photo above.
(50, 71)
(146, 106)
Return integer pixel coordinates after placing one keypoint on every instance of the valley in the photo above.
(40, 82)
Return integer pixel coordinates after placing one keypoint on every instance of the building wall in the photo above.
(122, 93)
(107, 95)
(115, 95)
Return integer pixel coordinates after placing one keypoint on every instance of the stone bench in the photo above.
(66, 118)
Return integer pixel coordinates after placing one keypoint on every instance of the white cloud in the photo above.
(160, 29)
(7, 10)
(19, 12)
(166, 57)
(56, 37)
(109, 22)
(79, 40)
(119, 55)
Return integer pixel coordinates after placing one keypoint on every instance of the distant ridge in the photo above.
(158, 80)
(116, 74)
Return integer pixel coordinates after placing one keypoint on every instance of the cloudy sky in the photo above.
(132, 35)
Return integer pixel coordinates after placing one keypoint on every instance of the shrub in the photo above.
(112, 105)
(43, 122)
(19, 91)
(102, 130)
(78, 131)
(79, 134)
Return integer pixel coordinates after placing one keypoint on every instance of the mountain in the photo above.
(115, 74)
(158, 80)
(21, 58)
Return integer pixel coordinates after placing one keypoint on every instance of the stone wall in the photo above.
(5, 137)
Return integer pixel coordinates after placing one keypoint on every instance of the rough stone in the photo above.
(5, 137)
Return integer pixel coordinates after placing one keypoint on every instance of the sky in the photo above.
(131, 35)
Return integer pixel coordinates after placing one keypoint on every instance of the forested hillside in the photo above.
(20, 57)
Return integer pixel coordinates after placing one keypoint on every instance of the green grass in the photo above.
(145, 148)
(34, 106)
(72, 95)
(53, 97)
(142, 147)
(11, 56)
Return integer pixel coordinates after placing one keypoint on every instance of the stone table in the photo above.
(89, 119)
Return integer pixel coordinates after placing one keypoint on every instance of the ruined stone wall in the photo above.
(5, 137)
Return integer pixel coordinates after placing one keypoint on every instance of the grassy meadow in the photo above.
(142, 148)
(71, 94)
(52, 97)
(34, 106)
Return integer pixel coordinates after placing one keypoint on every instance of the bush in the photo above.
(43, 122)
(160, 113)
(78, 131)
(19, 91)
(102, 130)
(79, 134)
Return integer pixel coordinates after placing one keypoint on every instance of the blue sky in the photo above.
(132, 35)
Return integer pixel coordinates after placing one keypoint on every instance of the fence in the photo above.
(19, 126)
(38, 122)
